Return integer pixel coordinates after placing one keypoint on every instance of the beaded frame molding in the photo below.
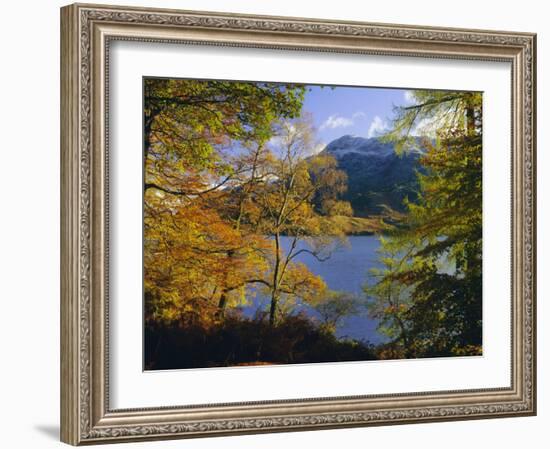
(86, 33)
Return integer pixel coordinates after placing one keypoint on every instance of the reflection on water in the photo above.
(346, 270)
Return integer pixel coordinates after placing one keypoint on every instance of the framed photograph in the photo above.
(279, 224)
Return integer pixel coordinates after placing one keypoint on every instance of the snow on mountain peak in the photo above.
(360, 145)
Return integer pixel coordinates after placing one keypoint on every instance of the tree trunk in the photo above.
(470, 120)
(222, 304)
(273, 308)
(275, 285)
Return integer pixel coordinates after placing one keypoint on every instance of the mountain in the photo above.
(377, 175)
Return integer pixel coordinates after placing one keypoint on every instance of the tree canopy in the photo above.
(228, 171)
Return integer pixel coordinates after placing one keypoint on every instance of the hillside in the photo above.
(377, 175)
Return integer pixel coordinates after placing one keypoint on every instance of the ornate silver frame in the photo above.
(86, 32)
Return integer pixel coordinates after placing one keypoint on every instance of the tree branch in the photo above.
(152, 185)
(313, 253)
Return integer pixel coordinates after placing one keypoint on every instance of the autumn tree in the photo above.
(285, 208)
(189, 124)
(331, 184)
(194, 259)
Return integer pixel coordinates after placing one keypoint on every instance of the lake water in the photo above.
(346, 270)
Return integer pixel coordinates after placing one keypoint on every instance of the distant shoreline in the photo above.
(355, 226)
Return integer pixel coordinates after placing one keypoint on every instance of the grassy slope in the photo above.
(357, 225)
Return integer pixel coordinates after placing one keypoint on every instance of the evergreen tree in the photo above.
(439, 242)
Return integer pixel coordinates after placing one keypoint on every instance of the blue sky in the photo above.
(361, 111)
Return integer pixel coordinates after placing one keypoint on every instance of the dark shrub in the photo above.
(244, 341)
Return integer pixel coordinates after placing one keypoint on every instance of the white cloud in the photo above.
(278, 141)
(317, 148)
(338, 121)
(335, 121)
(426, 127)
(377, 127)
(409, 97)
(275, 142)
